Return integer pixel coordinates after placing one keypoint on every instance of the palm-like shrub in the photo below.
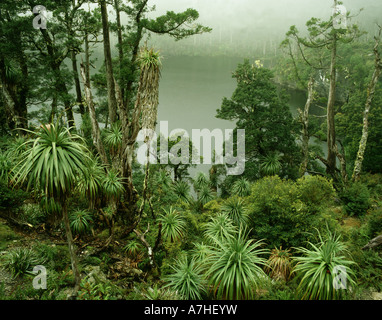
(220, 227)
(235, 267)
(182, 190)
(133, 247)
(235, 209)
(91, 182)
(201, 180)
(173, 225)
(200, 252)
(279, 264)
(316, 269)
(241, 188)
(270, 164)
(20, 261)
(205, 195)
(113, 185)
(113, 137)
(52, 164)
(163, 179)
(187, 279)
(80, 221)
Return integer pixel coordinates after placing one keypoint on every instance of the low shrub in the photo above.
(356, 199)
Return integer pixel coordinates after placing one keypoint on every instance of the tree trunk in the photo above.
(331, 133)
(305, 125)
(365, 130)
(150, 251)
(96, 134)
(112, 102)
(120, 43)
(73, 256)
(77, 83)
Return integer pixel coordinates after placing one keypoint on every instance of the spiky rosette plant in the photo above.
(219, 228)
(187, 279)
(113, 138)
(53, 162)
(279, 265)
(235, 208)
(320, 266)
(173, 225)
(90, 184)
(235, 266)
(241, 188)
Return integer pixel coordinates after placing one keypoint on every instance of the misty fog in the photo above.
(250, 23)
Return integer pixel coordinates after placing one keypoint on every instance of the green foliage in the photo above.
(5, 166)
(241, 188)
(21, 261)
(279, 264)
(315, 269)
(235, 266)
(369, 264)
(90, 184)
(262, 110)
(182, 190)
(220, 227)
(53, 162)
(283, 213)
(374, 223)
(350, 122)
(113, 185)
(97, 290)
(205, 194)
(32, 213)
(315, 191)
(187, 279)
(155, 293)
(173, 225)
(133, 248)
(270, 164)
(113, 137)
(80, 221)
(200, 253)
(356, 199)
(236, 210)
(7, 235)
(55, 257)
(11, 199)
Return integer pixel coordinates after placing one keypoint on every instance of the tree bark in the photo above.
(96, 134)
(365, 130)
(112, 102)
(305, 126)
(120, 42)
(331, 133)
(77, 84)
(150, 251)
(73, 256)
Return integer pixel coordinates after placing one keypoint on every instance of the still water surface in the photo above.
(192, 89)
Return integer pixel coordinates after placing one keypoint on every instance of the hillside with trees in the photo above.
(91, 195)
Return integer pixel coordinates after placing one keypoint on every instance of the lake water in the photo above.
(192, 89)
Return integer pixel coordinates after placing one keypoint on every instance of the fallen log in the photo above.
(375, 242)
